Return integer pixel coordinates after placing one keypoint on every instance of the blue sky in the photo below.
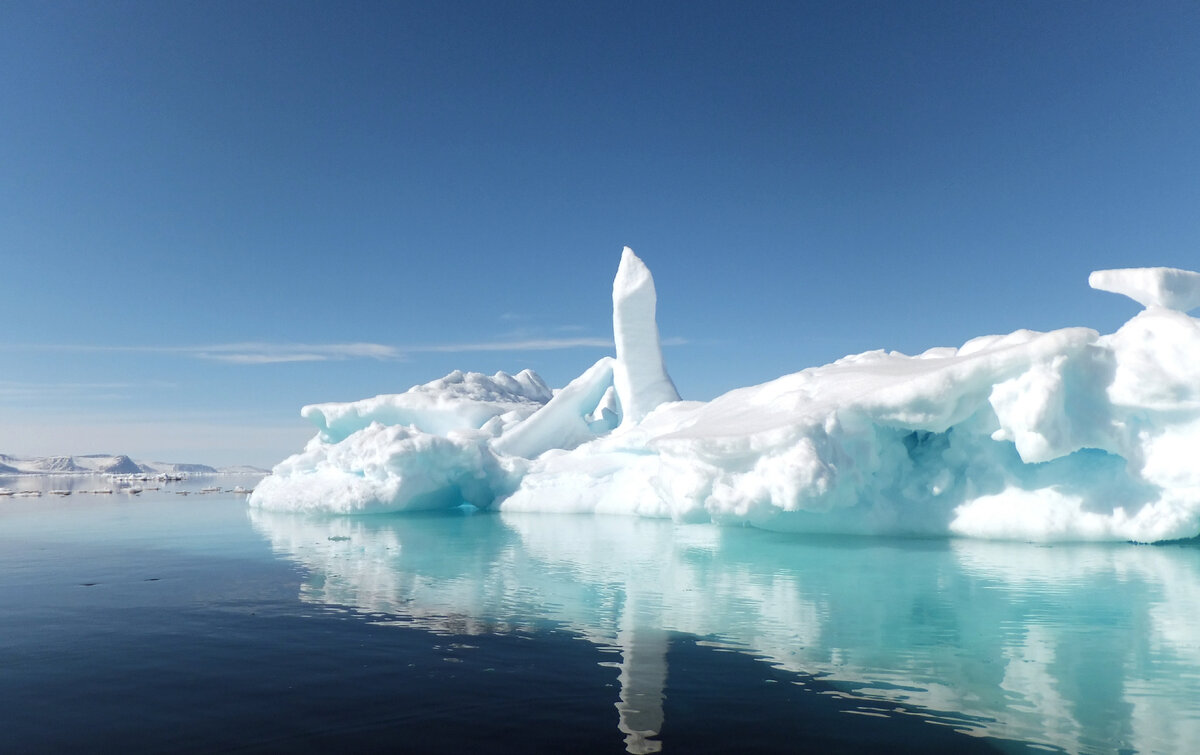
(212, 213)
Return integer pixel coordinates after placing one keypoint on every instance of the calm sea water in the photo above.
(190, 623)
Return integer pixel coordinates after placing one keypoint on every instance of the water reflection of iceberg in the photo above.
(1083, 647)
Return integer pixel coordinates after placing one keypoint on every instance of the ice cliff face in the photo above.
(1042, 436)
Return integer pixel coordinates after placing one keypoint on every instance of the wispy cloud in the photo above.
(249, 352)
(275, 353)
(258, 352)
(531, 344)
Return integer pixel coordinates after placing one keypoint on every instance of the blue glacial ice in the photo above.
(1066, 435)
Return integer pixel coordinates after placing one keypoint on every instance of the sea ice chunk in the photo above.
(1151, 286)
(563, 421)
(384, 467)
(459, 401)
(1157, 362)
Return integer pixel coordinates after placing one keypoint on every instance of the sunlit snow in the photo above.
(1066, 435)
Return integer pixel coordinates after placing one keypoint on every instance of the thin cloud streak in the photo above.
(268, 353)
(534, 344)
(265, 358)
(280, 353)
(250, 352)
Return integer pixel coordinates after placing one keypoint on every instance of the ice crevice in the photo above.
(1065, 435)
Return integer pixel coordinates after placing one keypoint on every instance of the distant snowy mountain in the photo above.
(109, 464)
(55, 464)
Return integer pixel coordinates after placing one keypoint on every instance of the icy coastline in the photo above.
(1066, 435)
(107, 464)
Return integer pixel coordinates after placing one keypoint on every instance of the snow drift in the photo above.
(1066, 435)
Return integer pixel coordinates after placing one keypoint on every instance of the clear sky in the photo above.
(212, 213)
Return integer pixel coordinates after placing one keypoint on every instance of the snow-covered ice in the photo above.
(458, 401)
(1042, 436)
(1152, 286)
(640, 379)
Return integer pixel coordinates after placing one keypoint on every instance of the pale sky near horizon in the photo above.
(215, 212)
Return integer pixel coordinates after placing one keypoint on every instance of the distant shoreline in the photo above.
(222, 472)
(110, 464)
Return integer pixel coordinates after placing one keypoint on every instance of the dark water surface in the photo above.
(166, 622)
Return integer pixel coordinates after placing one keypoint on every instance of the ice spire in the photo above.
(639, 376)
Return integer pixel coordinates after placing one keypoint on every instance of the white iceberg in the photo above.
(1042, 436)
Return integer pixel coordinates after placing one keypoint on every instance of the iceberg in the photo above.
(1065, 435)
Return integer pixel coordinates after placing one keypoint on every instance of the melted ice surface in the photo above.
(1067, 435)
